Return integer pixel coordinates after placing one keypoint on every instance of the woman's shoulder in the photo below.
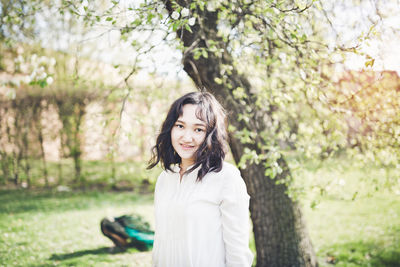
(164, 178)
(165, 174)
(234, 186)
(229, 171)
(229, 167)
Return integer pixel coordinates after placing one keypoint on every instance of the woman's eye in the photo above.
(199, 130)
(179, 126)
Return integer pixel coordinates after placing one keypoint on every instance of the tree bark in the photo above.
(280, 233)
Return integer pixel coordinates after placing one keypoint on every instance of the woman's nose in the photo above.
(187, 136)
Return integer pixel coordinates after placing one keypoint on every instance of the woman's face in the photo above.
(187, 134)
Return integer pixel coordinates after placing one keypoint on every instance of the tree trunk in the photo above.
(76, 149)
(280, 233)
(38, 121)
(43, 156)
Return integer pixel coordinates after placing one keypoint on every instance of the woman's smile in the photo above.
(187, 147)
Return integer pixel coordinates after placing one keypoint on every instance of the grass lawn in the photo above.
(63, 229)
(39, 228)
(365, 232)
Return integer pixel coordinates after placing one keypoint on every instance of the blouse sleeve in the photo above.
(235, 221)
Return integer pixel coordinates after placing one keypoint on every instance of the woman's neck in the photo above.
(184, 165)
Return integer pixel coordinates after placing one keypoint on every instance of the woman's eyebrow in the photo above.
(196, 124)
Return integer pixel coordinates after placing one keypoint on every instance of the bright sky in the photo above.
(384, 47)
(385, 52)
(350, 21)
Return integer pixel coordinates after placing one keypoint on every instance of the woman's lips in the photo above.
(187, 147)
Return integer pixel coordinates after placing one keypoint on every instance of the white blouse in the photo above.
(201, 224)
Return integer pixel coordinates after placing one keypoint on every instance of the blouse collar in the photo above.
(176, 168)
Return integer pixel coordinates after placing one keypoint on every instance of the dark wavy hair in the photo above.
(211, 153)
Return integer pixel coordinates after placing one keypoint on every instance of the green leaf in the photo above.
(187, 27)
(370, 63)
(201, 5)
(137, 22)
(197, 54)
(150, 17)
(204, 53)
(42, 83)
(175, 25)
(218, 80)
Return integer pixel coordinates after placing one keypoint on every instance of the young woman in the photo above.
(201, 202)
